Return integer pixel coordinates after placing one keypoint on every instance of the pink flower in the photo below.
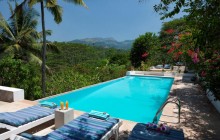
(203, 73)
(145, 54)
(195, 58)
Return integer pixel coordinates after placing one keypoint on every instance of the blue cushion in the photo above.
(25, 115)
(84, 127)
(141, 132)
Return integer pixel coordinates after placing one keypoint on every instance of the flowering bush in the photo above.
(205, 61)
(210, 73)
(203, 22)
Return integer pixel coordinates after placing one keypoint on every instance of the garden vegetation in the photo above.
(193, 40)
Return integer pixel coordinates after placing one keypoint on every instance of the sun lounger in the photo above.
(84, 127)
(24, 119)
(141, 132)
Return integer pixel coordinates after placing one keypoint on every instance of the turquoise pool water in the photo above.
(135, 98)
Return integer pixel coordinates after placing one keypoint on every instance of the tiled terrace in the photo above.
(199, 119)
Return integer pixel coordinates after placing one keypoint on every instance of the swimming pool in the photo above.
(135, 98)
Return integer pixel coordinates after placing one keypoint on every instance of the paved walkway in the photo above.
(14, 106)
(199, 119)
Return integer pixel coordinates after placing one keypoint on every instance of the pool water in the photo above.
(135, 98)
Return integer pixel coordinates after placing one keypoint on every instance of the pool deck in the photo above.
(199, 119)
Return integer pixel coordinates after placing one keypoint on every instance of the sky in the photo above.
(119, 19)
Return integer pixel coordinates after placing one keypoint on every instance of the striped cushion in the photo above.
(140, 132)
(25, 115)
(83, 128)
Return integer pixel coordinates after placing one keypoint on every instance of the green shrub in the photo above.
(18, 74)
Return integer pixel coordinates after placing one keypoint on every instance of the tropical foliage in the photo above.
(80, 65)
(56, 10)
(18, 37)
(173, 46)
(140, 51)
(20, 41)
(16, 73)
(203, 40)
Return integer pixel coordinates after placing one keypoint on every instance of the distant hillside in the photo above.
(105, 42)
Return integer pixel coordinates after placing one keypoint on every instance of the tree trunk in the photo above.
(43, 51)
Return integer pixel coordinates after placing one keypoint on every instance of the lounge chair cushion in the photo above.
(84, 127)
(81, 128)
(25, 115)
(141, 132)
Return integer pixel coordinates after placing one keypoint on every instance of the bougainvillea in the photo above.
(202, 20)
(144, 55)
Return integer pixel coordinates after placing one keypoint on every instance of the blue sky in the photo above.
(120, 19)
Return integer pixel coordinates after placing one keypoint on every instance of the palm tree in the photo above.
(56, 11)
(19, 38)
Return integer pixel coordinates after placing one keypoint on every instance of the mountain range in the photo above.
(105, 42)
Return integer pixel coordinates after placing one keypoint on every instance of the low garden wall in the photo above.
(150, 73)
(213, 100)
(9, 94)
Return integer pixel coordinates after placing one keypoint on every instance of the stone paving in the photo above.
(199, 119)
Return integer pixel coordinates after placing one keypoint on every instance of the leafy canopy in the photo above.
(140, 50)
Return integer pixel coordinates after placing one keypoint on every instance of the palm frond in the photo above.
(19, 8)
(56, 11)
(52, 47)
(33, 58)
(47, 32)
(33, 2)
(5, 27)
(9, 49)
(10, 8)
(6, 51)
(17, 47)
(79, 2)
(27, 33)
(30, 18)
(35, 49)
(14, 23)
(51, 3)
